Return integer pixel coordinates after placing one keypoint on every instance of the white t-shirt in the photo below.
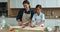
(36, 19)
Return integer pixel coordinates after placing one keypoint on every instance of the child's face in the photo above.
(38, 10)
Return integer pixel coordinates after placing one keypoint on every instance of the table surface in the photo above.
(29, 28)
(26, 29)
(20, 30)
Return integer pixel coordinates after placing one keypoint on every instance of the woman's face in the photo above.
(38, 10)
(26, 6)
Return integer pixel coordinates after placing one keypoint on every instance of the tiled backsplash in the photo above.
(49, 12)
(52, 12)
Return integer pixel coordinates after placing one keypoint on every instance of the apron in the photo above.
(38, 19)
(26, 17)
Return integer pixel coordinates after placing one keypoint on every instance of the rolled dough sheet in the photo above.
(29, 28)
(35, 28)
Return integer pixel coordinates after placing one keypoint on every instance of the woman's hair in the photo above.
(26, 1)
(38, 6)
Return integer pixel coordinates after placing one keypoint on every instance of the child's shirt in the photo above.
(36, 19)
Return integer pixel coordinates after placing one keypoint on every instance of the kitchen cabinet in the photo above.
(16, 3)
(19, 3)
(33, 3)
(58, 3)
(12, 3)
(46, 3)
(3, 0)
(51, 3)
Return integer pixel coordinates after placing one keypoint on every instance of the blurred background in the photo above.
(51, 9)
(10, 8)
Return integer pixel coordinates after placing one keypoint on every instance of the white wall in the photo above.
(3, 0)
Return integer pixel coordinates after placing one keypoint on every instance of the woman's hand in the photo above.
(23, 26)
(20, 23)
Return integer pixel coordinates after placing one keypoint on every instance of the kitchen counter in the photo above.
(26, 29)
(48, 22)
(20, 30)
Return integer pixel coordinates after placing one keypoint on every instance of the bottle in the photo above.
(3, 21)
(46, 30)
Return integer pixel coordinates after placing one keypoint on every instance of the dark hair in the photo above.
(38, 6)
(26, 1)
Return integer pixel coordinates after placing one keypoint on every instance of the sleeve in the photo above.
(43, 17)
(32, 13)
(19, 16)
(33, 20)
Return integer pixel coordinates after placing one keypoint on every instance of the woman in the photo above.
(25, 15)
(38, 17)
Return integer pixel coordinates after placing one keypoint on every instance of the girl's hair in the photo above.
(38, 6)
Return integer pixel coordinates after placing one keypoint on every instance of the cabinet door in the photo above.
(3, 0)
(42, 3)
(19, 3)
(16, 3)
(12, 3)
(58, 3)
(33, 3)
(51, 3)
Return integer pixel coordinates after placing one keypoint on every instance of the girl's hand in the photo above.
(20, 23)
(33, 26)
(42, 25)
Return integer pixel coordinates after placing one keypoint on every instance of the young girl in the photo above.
(38, 17)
